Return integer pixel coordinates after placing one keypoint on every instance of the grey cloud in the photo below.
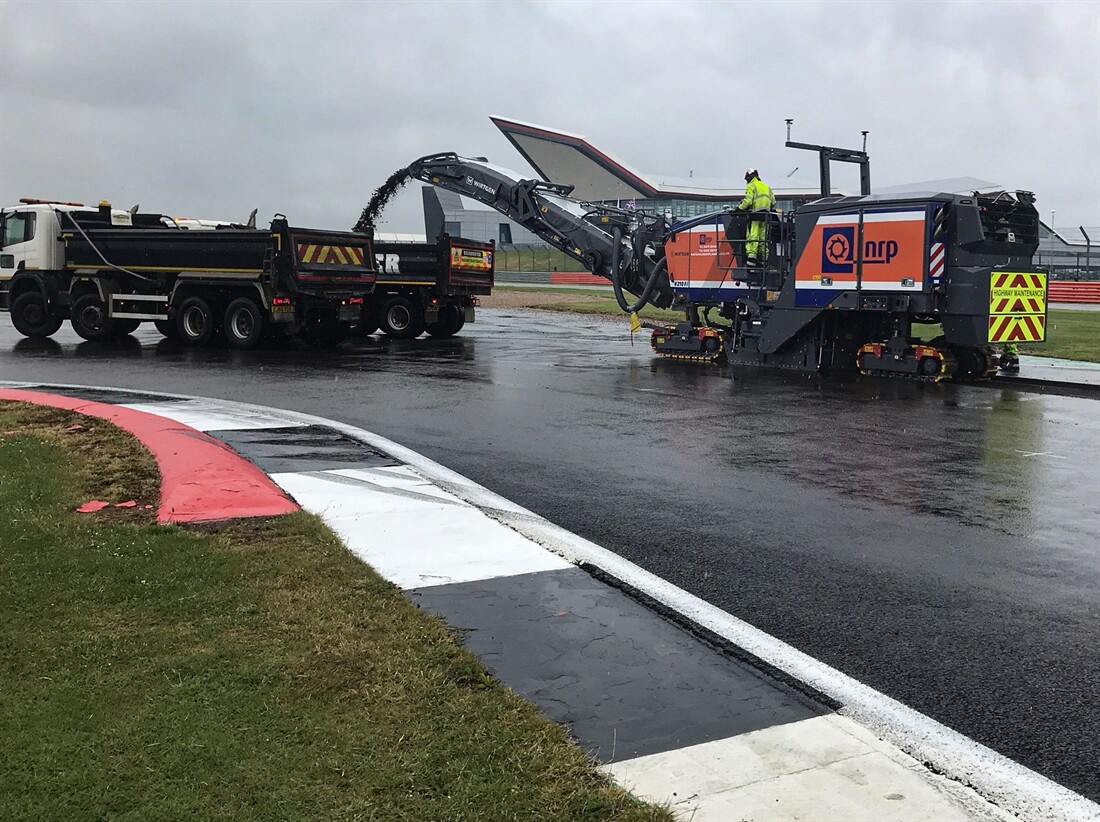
(211, 109)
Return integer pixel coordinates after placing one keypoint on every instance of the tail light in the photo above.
(475, 302)
(355, 301)
(280, 300)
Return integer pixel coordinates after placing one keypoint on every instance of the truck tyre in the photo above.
(363, 329)
(89, 318)
(450, 320)
(31, 317)
(244, 324)
(124, 327)
(368, 322)
(402, 318)
(195, 322)
(167, 328)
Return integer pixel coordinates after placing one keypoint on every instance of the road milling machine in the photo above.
(844, 280)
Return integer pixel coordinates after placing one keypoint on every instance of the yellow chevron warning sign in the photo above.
(314, 254)
(1007, 328)
(1017, 307)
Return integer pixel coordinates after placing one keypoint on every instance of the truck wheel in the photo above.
(362, 329)
(368, 322)
(167, 328)
(450, 320)
(195, 322)
(402, 318)
(244, 324)
(89, 318)
(124, 327)
(31, 317)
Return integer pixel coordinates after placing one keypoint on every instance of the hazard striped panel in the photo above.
(317, 254)
(1017, 307)
(936, 262)
(1007, 328)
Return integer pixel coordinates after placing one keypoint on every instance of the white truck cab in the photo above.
(31, 250)
(30, 237)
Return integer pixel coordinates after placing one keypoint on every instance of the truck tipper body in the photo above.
(107, 271)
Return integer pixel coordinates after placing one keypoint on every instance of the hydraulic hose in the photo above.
(643, 298)
(107, 262)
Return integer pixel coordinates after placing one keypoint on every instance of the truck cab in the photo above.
(31, 247)
(30, 239)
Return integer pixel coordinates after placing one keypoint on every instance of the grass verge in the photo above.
(1071, 335)
(253, 669)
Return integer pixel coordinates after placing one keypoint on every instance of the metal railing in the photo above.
(535, 258)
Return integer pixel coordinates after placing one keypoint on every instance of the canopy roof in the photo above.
(561, 157)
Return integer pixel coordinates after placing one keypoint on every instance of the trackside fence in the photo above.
(1068, 291)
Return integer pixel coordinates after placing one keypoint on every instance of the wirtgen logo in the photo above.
(838, 250)
(472, 183)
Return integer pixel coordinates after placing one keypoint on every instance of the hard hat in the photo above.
(751, 172)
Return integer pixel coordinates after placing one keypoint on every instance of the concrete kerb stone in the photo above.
(202, 479)
(968, 772)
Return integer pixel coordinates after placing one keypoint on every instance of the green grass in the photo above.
(610, 307)
(1071, 335)
(591, 291)
(254, 670)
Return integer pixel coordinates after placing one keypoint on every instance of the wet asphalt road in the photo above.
(940, 543)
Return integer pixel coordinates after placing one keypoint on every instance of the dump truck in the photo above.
(107, 270)
(427, 286)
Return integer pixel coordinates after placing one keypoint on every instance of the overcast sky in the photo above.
(213, 109)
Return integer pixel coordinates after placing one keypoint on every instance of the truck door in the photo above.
(18, 248)
(20, 229)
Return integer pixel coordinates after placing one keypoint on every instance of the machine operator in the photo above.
(758, 199)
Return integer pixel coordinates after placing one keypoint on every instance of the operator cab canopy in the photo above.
(561, 157)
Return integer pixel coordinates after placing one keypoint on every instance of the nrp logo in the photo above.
(837, 247)
(838, 250)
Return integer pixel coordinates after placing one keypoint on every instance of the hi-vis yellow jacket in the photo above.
(758, 197)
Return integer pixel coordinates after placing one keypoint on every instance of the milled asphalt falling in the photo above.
(938, 542)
